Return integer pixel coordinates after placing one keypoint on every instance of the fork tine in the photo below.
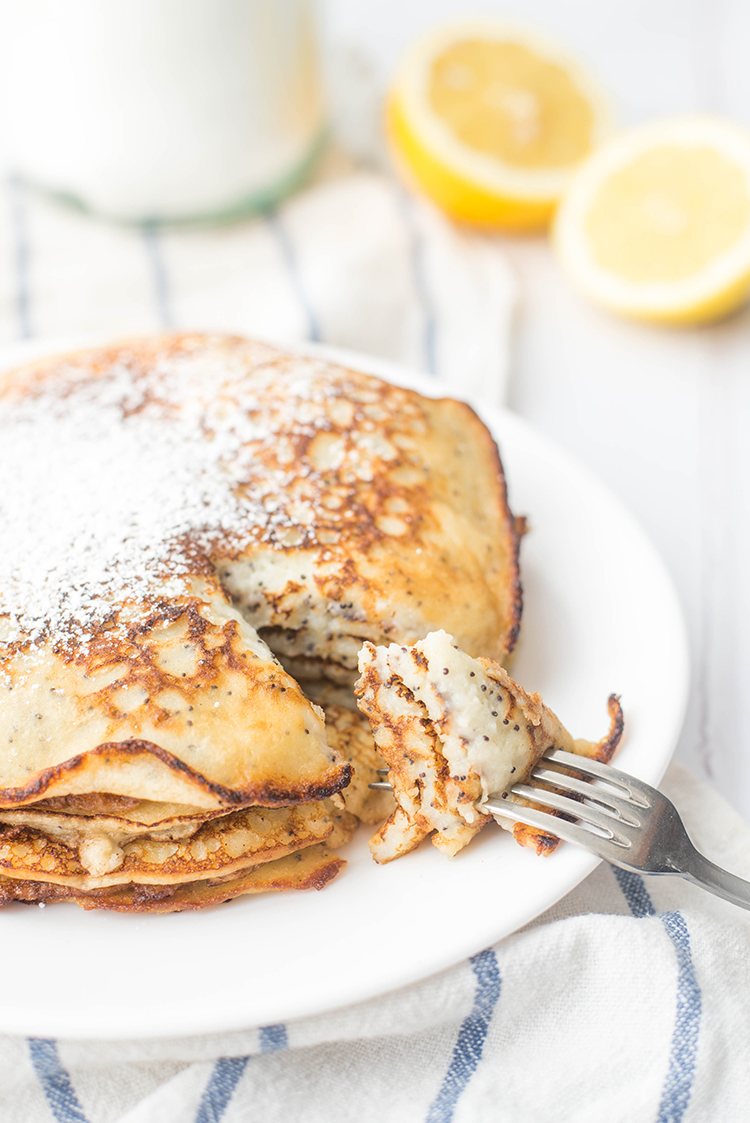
(607, 801)
(605, 845)
(584, 765)
(382, 771)
(593, 816)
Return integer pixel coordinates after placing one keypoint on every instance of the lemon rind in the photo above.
(455, 196)
(409, 93)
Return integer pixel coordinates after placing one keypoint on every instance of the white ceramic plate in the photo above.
(600, 616)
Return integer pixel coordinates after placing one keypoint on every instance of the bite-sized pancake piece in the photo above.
(222, 846)
(454, 730)
(311, 868)
(350, 735)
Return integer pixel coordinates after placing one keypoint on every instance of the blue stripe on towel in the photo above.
(152, 236)
(227, 1073)
(225, 1077)
(290, 260)
(273, 1038)
(635, 893)
(55, 1081)
(419, 274)
(469, 1046)
(678, 1084)
(22, 254)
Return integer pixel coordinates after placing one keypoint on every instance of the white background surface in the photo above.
(660, 415)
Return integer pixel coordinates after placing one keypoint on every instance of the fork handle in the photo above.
(712, 877)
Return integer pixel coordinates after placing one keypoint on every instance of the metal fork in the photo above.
(617, 817)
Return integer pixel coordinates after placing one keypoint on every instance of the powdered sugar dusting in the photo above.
(112, 486)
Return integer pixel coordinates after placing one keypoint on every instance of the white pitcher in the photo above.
(161, 109)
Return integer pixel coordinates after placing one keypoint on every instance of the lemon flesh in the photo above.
(656, 224)
(504, 100)
(669, 214)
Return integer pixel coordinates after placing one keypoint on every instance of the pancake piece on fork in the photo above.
(453, 731)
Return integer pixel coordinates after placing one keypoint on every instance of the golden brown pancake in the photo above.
(180, 513)
(220, 847)
(311, 868)
(183, 704)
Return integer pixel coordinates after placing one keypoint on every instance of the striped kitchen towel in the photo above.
(354, 261)
(626, 1002)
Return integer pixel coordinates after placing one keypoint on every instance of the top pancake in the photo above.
(165, 500)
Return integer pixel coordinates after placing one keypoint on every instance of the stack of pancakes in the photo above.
(199, 532)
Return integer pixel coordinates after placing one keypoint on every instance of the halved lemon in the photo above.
(489, 122)
(656, 224)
